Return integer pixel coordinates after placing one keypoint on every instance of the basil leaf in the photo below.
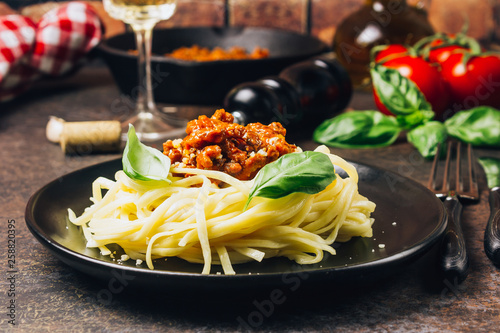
(141, 162)
(491, 168)
(415, 119)
(399, 94)
(426, 137)
(479, 126)
(358, 129)
(307, 172)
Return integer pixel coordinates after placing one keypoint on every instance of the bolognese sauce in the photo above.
(197, 53)
(217, 143)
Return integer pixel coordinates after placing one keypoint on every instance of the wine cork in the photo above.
(84, 137)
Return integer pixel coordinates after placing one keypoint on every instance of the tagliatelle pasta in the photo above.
(194, 219)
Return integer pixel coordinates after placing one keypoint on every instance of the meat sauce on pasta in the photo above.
(206, 218)
(216, 143)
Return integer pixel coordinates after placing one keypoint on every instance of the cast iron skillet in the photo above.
(205, 83)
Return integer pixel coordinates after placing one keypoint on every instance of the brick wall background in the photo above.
(318, 17)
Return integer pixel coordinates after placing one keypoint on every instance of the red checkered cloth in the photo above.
(64, 36)
(54, 46)
(17, 37)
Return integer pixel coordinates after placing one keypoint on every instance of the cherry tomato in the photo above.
(440, 54)
(426, 77)
(439, 49)
(474, 81)
(387, 52)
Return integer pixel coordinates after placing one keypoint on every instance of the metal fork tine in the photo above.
(473, 187)
(466, 181)
(459, 183)
(446, 176)
(432, 177)
(464, 184)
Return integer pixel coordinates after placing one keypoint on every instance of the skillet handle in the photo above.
(492, 232)
(454, 260)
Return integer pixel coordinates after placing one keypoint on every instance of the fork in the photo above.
(454, 260)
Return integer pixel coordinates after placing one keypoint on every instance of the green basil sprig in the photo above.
(479, 126)
(360, 129)
(141, 162)
(307, 172)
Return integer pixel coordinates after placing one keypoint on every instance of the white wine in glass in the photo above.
(142, 16)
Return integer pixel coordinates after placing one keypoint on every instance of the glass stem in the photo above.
(145, 102)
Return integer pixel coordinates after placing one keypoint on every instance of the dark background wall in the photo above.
(318, 17)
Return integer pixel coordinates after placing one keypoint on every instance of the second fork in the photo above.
(454, 260)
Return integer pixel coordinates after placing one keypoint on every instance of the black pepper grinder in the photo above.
(302, 95)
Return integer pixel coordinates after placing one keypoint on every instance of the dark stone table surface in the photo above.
(53, 297)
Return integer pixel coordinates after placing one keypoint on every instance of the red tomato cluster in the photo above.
(452, 72)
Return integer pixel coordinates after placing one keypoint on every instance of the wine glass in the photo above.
(142, 16)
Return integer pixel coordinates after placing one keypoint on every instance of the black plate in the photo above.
(409, 220)
(205, 83)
